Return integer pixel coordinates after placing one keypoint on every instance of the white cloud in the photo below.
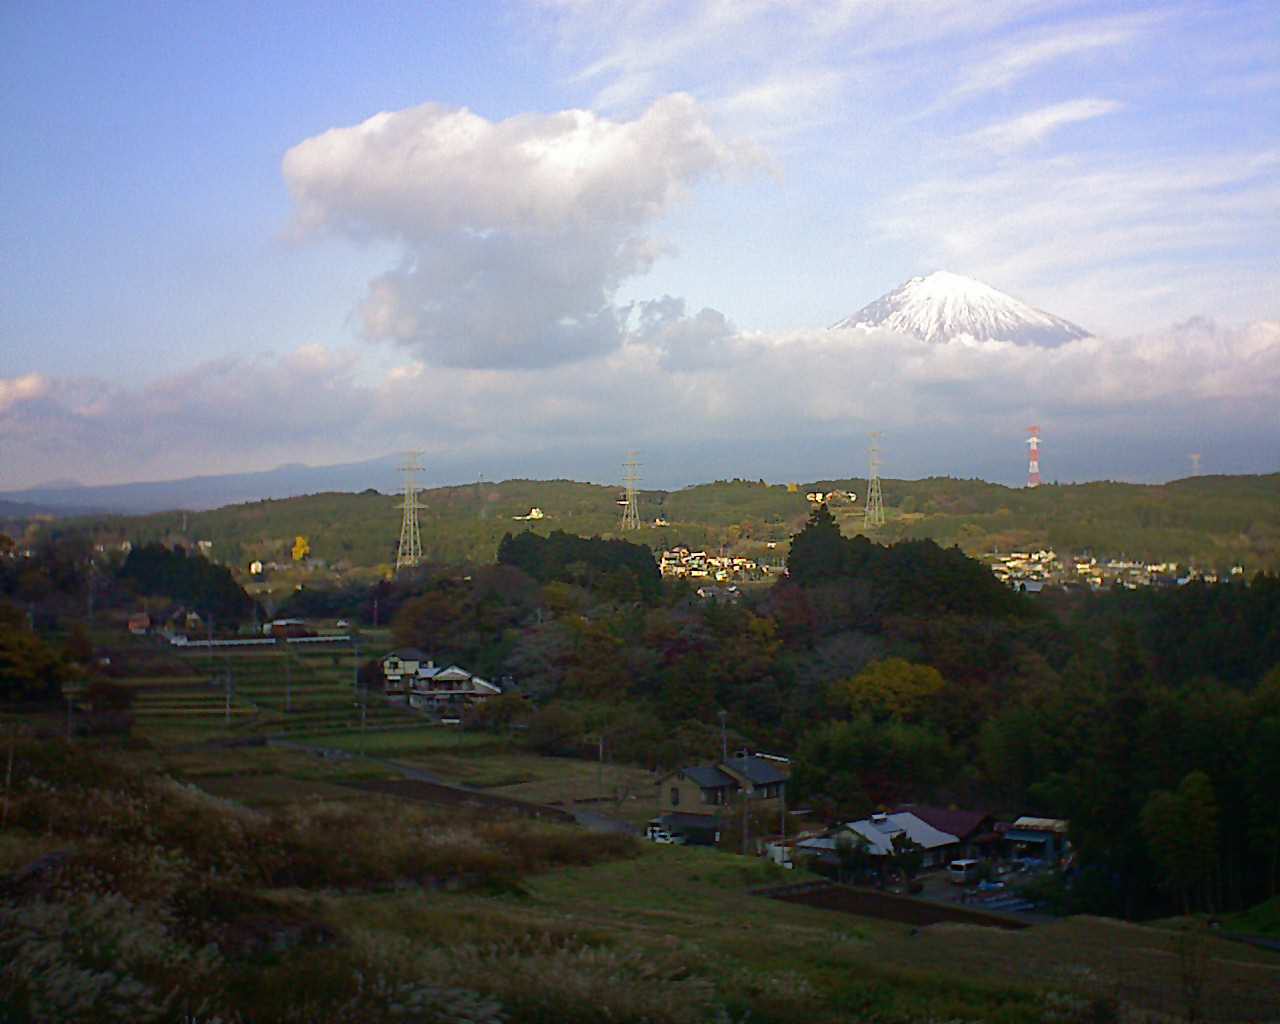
(516, 233)
(1038, 125)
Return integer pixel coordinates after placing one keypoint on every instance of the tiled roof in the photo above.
(758, 770)
(958, 823)
(708, 776)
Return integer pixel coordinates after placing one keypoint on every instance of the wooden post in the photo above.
(8, 775)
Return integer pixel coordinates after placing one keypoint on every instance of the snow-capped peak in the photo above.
(944, 306)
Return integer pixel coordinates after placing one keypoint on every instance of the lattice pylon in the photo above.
(409, 552)
(630, 507)
(1033, 463)
(873, 511)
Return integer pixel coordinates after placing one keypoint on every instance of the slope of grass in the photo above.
(1264, 919)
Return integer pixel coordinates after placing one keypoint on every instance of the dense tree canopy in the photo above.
(188, 578)
(618, 568)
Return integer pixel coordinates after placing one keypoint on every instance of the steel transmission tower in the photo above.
(873, 512)
(630, 510)
(1033, 463)
(410, 551)
(1195, 463)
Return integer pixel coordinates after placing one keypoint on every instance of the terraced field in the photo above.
(308, 692)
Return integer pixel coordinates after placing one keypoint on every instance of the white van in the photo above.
(962, 872)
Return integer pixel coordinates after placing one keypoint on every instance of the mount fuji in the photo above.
(943, 307)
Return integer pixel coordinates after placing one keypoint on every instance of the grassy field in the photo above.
(644, 933)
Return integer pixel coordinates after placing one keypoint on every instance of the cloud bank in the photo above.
(690, 383)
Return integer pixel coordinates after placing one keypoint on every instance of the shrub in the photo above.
(99, 958)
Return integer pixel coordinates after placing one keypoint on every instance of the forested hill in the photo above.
(1212, 522)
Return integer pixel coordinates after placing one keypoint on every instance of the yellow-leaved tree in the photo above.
(301, 548)
(892, 688)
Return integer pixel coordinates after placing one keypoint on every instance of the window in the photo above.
(675, 796)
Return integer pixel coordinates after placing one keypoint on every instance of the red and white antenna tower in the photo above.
(1033, 466)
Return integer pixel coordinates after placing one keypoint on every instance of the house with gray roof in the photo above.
(692, 800)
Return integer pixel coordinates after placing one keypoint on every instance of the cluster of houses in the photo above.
(682, 562)
(942, 836)
(1031, 571)
(413, 680)
(696, 804)
(830, 497)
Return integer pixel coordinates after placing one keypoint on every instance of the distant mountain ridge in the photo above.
(204, 492)
(944, 307)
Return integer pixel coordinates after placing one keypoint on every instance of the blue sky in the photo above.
(197, 278)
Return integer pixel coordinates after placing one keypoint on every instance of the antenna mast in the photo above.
(1033, 465)
(630, 510)
(409, 553)
(873, 512)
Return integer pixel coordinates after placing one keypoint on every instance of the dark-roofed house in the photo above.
(759, 777)
(975, 830)
(692, 800)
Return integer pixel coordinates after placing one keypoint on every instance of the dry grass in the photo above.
(1140, 966)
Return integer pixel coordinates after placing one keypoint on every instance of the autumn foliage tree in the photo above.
(892, 688)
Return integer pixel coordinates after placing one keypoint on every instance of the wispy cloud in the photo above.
(1037, 125)
(1134, 230)
(1019, 58)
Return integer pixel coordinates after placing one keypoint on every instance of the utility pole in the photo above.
(288, 685)
(363, 705)
(355, 662)
(782, 824)
(8, 775)
(724, 737)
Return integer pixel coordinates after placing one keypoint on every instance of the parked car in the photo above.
(661, 835)
(962, 872)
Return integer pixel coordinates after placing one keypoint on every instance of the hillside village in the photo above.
(1031, 571)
